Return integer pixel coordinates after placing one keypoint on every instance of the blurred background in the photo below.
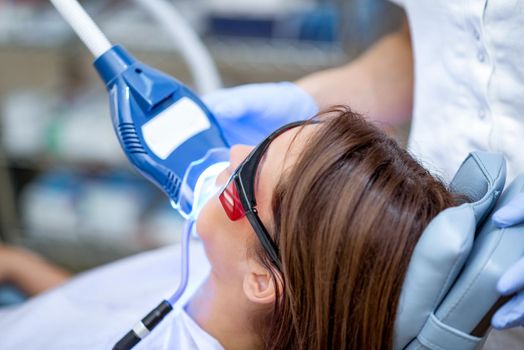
(66, 189)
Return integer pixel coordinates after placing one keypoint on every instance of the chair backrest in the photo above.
(449, 288)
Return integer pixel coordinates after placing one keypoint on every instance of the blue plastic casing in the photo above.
(139, 94)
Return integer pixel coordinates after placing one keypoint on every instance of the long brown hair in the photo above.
(347, 217)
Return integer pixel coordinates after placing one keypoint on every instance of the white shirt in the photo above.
(95, 309)
(469, 81)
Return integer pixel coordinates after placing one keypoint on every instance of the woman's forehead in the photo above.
(281, 155)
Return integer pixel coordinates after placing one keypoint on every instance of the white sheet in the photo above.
(95, 309)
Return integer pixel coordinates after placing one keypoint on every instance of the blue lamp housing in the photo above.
(165, 130)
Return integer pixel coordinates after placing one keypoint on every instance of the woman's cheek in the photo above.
(209, 220)
(225, 241)
(209, 230)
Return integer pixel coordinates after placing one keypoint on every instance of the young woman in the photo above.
(309, 241)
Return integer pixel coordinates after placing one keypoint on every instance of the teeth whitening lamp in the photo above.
(166, 132)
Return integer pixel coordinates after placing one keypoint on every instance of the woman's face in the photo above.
(227, 242)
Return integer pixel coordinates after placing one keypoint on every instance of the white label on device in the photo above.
(172, 127)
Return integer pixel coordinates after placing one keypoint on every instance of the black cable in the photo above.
(144, 327)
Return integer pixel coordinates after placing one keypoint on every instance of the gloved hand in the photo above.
(511, 314)
(510, 214)
(248, 113)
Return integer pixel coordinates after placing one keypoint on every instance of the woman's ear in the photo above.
(259, 286)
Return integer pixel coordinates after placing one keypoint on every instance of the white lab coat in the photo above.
(95, 309)
(469, 81)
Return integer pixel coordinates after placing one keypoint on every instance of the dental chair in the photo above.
(449, 293)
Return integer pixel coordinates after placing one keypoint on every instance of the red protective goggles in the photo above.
(231, 201)
(238, 195)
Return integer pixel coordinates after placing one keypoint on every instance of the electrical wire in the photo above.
(83, 25)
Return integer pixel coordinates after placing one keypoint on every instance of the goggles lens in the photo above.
(230, 201)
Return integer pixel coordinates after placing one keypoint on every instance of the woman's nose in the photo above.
(238, 154)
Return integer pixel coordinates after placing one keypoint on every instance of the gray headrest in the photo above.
(462, 319)
(493, 252)
(446, 243)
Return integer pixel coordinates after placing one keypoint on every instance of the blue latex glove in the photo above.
(510, 214)
(511, 314)
(248, 113)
